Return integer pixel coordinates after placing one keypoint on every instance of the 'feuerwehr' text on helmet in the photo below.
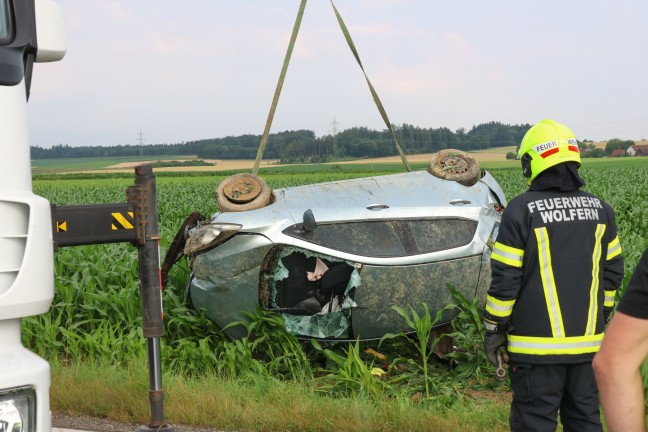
(546, 144)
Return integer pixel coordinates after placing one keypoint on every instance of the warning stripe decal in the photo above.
(549, 152)
(123, 221)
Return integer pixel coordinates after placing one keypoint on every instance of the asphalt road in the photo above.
(66, 423)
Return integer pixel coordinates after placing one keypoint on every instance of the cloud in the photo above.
(166, 43)
(117, 9)
(211, 67)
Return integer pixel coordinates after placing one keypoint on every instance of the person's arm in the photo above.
(613, 268)
(624, 348)
(506, 276)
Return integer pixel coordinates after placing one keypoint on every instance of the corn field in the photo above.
(96, 312)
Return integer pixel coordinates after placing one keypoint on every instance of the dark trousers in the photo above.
(542, 392)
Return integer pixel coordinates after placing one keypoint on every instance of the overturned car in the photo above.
(334, 258)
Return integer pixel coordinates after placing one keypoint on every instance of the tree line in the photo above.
(303, 146)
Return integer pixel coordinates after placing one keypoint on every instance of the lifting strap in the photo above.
(282, 76)
(376, 99)
(275, 99)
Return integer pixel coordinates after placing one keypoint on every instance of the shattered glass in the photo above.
(326, 324)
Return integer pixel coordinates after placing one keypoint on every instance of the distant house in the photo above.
(638, 150)
(617, 153)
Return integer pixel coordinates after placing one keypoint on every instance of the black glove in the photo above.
(493, 342)
(606, 315)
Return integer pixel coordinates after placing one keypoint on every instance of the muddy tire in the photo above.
(242, 192)
(445, 344)
(454, 165)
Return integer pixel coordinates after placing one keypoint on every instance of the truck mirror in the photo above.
(50, 31)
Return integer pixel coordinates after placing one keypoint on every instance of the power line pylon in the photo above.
(140, 140)
(334, 131)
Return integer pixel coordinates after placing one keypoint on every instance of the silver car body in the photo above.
(407, 236)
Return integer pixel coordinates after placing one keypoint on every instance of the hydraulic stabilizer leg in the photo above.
(142, 196)
(135, 222)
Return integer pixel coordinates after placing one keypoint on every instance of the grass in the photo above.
(261, 404)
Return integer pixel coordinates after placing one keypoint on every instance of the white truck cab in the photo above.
(31, 31)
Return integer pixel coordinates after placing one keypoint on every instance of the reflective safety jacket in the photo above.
(556, 265)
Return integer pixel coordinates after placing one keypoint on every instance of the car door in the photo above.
(386, 286)
(399, 283)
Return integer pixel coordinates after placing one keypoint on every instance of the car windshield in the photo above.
(393, 238)
(5, 24)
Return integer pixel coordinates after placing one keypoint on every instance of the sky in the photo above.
(162, 71)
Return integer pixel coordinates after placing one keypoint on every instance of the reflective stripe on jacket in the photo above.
(556, 264)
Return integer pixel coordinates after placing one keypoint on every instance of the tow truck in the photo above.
(32, 229)
(31, 31)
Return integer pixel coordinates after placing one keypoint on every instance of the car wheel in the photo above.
(242, 192)
(441, 344)
(454, 165)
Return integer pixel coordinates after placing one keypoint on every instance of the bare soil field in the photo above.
(488, 155)
(495, 154)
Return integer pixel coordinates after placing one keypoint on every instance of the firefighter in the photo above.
(556, 266)
(625, 347)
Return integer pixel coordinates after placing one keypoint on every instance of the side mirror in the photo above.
(50, 31)
(309, 221)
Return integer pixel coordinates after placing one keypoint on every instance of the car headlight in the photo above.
(18, 410)
(209, 236)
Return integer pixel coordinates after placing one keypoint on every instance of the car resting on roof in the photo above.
(334, 258)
